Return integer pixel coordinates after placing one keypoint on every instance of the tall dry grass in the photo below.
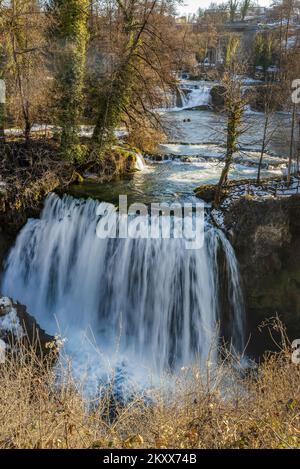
(225, 409)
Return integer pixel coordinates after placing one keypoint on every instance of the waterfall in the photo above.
(198, 96)
(140, 162)
(188, 96)
(155, 301)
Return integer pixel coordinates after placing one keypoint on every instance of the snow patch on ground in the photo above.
(218, 218)
(2, 186)
(2, 351)
(268, 190)
(9, 321)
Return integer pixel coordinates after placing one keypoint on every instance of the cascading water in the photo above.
(197, 96)
(140, 162)
(188, 96)
(154, 301)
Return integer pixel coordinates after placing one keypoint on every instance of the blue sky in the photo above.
(191, 6)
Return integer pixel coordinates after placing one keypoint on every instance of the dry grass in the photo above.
(258, 410)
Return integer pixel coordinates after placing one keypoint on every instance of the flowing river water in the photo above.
(144, 307)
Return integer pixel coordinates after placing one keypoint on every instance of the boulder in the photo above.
(186, 159)
(259, 95)
(218, 97)
(206, 192)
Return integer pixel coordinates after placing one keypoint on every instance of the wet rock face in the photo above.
(206, 192)
(218, 97)
(18, 327)
(266, 238)
(259, 95)
(5, 243)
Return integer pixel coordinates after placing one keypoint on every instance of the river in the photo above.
(134, 307)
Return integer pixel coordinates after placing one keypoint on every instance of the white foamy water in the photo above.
(189, 95)
(149, 304)
(198, 96)
(140, 162)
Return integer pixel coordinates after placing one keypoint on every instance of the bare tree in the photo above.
(147, 49)
(2, 62)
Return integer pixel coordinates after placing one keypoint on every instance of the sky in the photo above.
(191, 6)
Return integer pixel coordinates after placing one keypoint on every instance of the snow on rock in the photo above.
(5, 305)
(218, 218)
(3, 194)
(3, 347)
(270, 189)
(17, 325)
(9, 320)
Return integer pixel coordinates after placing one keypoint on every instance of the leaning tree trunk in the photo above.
(2, 117)
(291, 145)
(2, 95)
(234, 119)
(263, 146)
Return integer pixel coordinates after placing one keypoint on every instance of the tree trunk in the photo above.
(2, 106)
(298, 148)
(280, 41)
(291, 144)
(2, 114)
(70, 35)
(233, 122)
(263, 146)
(27, 131)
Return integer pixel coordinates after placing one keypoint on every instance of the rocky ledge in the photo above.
(266, 237)
(19, 329)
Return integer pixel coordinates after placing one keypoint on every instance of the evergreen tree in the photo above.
(69, 28)
(2, 84)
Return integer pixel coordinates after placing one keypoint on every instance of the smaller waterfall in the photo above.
(188, 96)
(140, 162)
(198, 96)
